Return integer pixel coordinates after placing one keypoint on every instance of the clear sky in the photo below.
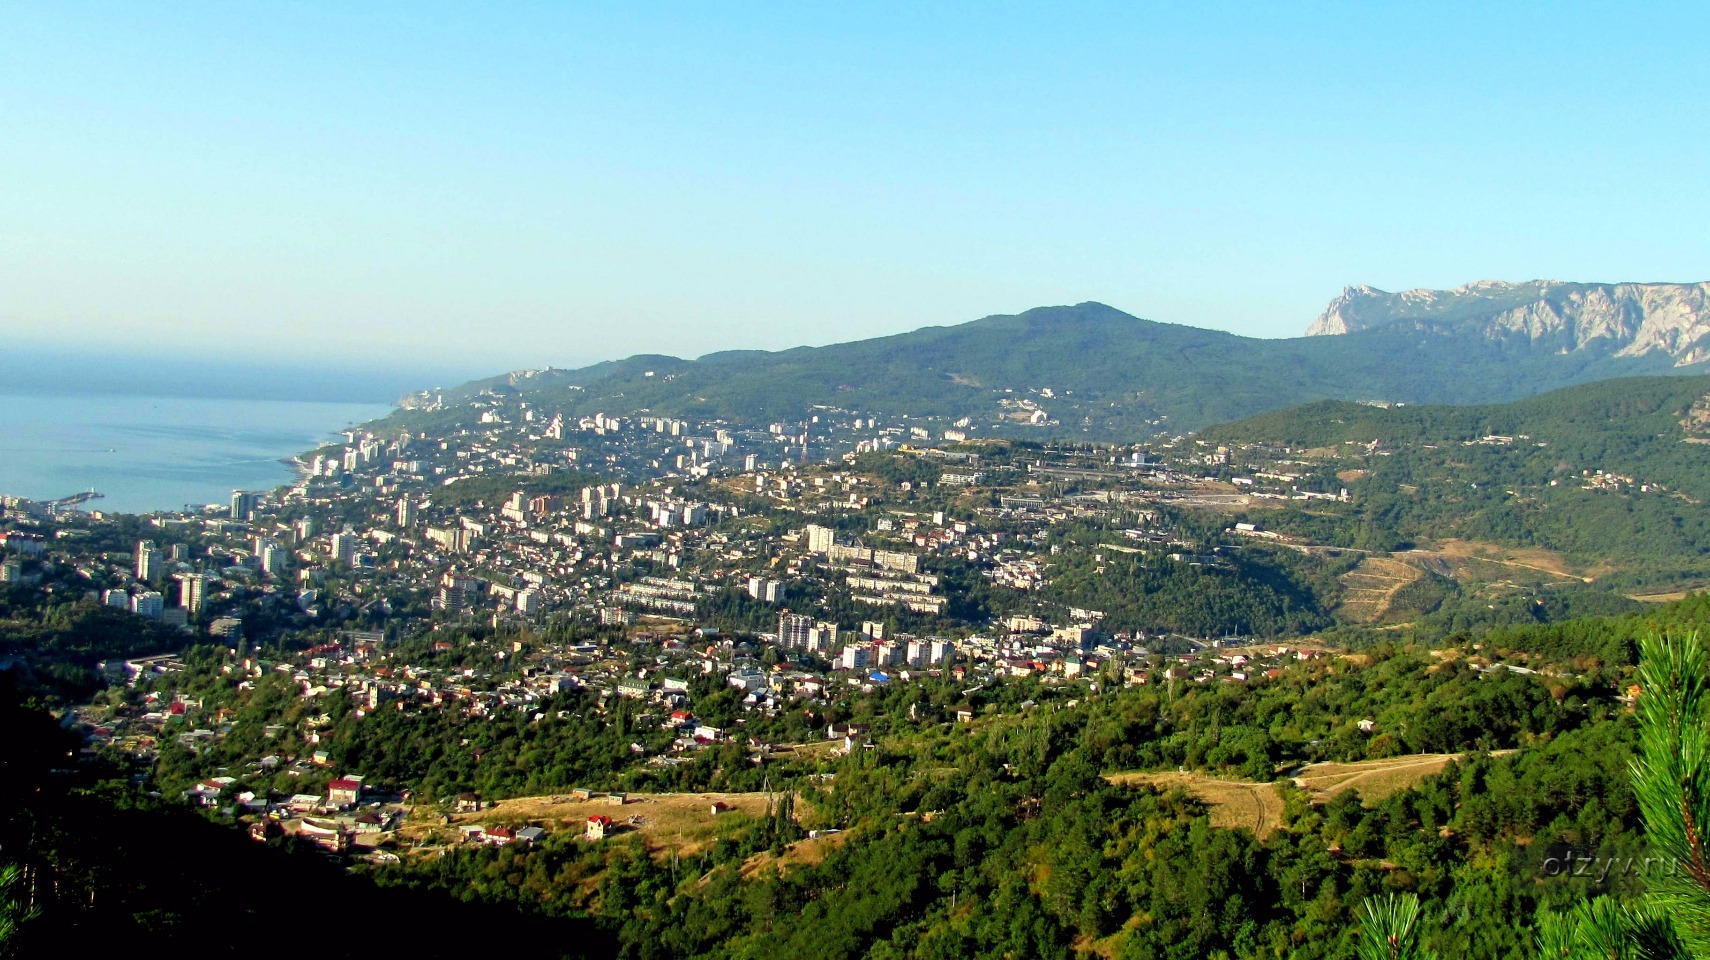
(515, 184)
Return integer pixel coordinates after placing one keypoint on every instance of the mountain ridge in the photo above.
(1636, 318)
(1096, 372)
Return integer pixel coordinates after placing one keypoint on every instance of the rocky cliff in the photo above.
(1621, 319)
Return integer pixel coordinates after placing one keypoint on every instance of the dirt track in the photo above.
(1259, 806)
(1234, 803)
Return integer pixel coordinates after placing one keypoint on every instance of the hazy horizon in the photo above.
(38, 371)
(525, 186)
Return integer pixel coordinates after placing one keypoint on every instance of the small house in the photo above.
(344, 792)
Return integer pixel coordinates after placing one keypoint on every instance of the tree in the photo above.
(1389, 929)
(1606, 930)
(1671, 779)
(13, 913)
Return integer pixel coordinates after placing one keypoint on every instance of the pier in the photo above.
(74, 501)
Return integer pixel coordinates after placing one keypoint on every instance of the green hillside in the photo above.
(1112, 375)
(1615, 472)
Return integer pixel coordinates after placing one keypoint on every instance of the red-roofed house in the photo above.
(344, 792)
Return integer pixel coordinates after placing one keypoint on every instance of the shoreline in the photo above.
(156, 456)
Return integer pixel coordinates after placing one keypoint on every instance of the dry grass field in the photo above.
(1234, 803)
(1373, 780)
(1259, 806)
(1478, 560)
(802, 853)
(683, 822)
(1669, 597)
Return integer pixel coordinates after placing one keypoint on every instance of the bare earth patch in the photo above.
(1259, 806)
(683, 822)
(1234, 803)
(1371, 586)
(1670, 597)
(803, 853)
(1474, 559)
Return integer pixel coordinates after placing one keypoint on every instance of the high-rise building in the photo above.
(528, 602)
(793, 629)
(406, 512)
(272, 559)
(344, 548)
(192, 590)
(244, 503)
(820, 539)
(116, 598)
(454, 539)
(148, 560)
(456, 592)
(855, 656)
(943, 653)
(822, 638)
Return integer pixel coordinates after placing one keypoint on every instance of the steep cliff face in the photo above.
(1623, 319)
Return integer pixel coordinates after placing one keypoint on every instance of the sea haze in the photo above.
(157, 431)
(34, 370)
(159, 453)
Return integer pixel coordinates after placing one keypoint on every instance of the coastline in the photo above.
(149, 454)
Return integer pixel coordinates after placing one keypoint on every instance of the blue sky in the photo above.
(523, 184)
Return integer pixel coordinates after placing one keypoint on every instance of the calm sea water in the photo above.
(159, 453)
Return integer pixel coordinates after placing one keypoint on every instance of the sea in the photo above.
(145, 453)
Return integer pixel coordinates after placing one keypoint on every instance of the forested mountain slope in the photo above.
(1614, 473)
(1110, 375)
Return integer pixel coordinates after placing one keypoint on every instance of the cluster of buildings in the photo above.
(393, 533)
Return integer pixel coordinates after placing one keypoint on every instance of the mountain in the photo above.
(1093, 370)
(1626, 319)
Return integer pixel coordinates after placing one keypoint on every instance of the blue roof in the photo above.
(878, 677)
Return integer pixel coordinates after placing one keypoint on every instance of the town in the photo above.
(494, 571)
